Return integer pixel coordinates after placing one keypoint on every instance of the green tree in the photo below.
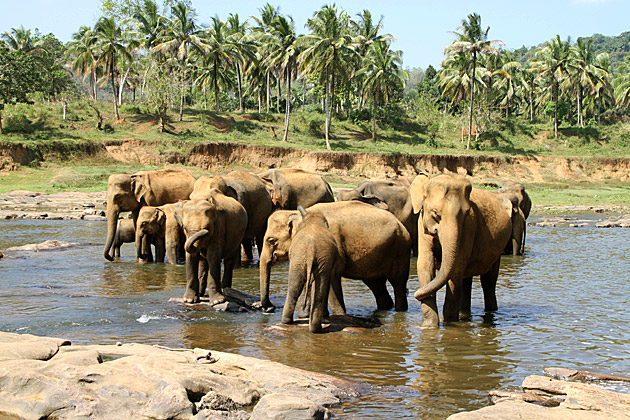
(553, 64)
(263, 31)
(84, 56)
(180, 37)
(19, 39)
(328, 49)
(244, 50)
(383, 76)
(19, 77)
(472, 41)
(621, 83)
(110, 41)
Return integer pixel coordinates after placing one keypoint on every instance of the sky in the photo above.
(422, 28)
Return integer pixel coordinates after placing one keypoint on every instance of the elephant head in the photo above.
(204, 184)
(281, 227)
(199, 219)
(278, 187)
(120, 197)
(151, 221)
(445, 208)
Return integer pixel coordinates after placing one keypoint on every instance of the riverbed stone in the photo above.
(548, 398)
(141, 381)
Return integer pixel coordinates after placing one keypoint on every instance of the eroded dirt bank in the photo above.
(217, 156)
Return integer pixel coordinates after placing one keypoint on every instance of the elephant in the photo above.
(395, 195)
(252, 193)
(214, 229)
(160, 224)
(145, 188)
(525, 204)
(290, 188)
(510, 202)
(314, 266)
(374, 246)
(125, 233)
(462, 232)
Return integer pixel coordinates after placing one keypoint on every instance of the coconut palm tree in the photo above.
(472, 41)
(383, 76)
(283, 56)
(112, 49)
(244, 50)
(82, 51)
(19, 39)
(328, 49)
(585, 74)
(180, 37)
(263, 31)
(604, 92)
(149, 25)
(553, 64)
(621, 83)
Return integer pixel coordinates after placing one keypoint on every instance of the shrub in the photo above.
(17, 122)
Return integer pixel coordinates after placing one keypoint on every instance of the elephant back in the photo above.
(163, 186)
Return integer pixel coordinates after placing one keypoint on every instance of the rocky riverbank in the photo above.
(556, 397)
(43, 377)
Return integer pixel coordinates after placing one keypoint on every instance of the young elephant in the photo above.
(290, 187)
(315, 263)
(374, 246)
(214, 229)
(160, 224)
(462, 232)
(125, 233)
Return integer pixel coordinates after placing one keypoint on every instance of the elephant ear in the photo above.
(231, 192)
(294, 221)
(161, 216)
(508, 206)
(177, 213)
(417, 191)
(141, 186)
(373, 201)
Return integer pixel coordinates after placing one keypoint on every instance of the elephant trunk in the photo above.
(189, 246)
(112, 224)
(265, 262)
(141, 244)
(449, 242)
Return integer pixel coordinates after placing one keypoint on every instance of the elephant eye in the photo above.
(435, 214)
(272, 241)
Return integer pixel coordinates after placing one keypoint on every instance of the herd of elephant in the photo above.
(456, 231)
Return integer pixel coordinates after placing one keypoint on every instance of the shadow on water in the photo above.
(561, 304)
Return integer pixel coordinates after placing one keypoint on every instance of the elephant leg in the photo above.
(466, 297)
(171, 249)
(116, 250)
(203, 276)
(379, 290)
(489, 286)
(146, 246)
(248, 255)
(400, 293)
(321, 285)
(524, 235)
(259, 244)
(295, 290)
(191, 295)
(160, 250)
(228, 268)
(304, 303)
(335, 296)
(214, 280)
(451, 302)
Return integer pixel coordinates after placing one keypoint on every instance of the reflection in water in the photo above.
(562, 304)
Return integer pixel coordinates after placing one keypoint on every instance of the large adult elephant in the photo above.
(145, 188)
(395, 194)
(290, 188)
(249, 190)
(214, 229)
(161, 224)
(462, 232)
(517, 192)
(374, 247)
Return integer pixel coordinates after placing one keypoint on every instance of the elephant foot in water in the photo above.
(191, 297)
(214, 298)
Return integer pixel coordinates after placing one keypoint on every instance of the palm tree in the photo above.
(19, 39)
(150, 24)
(327, 50)
(510, 79)
(283, 56)
(265, 26)
(621, 83)
(180, 37)
(604, 92)
(553, 63)
(83, 52)
(110, 41)
(219, 58)
(472, 41)
(585, 73)
(383, 76)
(244, 50)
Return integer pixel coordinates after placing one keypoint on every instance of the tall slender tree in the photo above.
(82, 51)
(472, 41)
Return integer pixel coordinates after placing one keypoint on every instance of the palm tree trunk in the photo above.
(327, 106)
(531, 106)
(205, 98)
(181, 99)
(259, 101)
(113, 81)
(268, 93)
(216, 88)
(304, 97)
(555, 110)
(240, 88)
(288, 106)
(599, 109)
(121, 86)
(374, 116)
(279, 96)
(579, 106)
(472, 97)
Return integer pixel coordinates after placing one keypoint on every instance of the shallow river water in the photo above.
(565, 303)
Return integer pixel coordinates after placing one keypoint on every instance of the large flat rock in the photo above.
(48, 378)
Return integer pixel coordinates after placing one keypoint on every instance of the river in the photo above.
(564, 303)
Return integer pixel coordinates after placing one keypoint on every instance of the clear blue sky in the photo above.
(421, 27)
